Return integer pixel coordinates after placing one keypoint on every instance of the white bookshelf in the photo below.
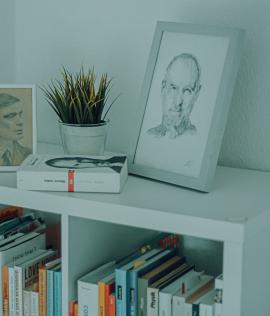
(230, 226)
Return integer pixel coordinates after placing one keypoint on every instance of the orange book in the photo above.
(42, 291)
(105, 288)
(5, 289)
(72, 307)
(112, 306)
(76, 309)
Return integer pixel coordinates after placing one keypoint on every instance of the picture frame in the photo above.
(184, 104)
(18, 131)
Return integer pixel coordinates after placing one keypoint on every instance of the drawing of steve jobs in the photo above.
(179, 92)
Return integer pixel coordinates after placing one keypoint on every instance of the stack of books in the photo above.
(154, 282)
(30, 274)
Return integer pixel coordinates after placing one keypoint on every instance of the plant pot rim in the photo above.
(101, 123)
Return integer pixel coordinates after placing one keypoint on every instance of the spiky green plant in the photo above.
(75, 98)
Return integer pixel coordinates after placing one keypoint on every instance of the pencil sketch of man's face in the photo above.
(179, 92)
(11, 123)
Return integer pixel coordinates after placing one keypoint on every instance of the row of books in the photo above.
(152, 281)
(30, 273)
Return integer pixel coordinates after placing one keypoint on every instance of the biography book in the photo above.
(73, 173)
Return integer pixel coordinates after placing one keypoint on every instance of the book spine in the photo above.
(218, 296)
(27, 303)
(101, 299)
(206, 310)
(165, 304)
(5, 291)
(11, 280)
(142, 297)
(109, 289)
(87, 299)
(132, 289)
(76, 308)
(152, 301)
(50, 293)
(42, 291)
(121, 292)
(178, 306)
(112, 305)
(57, 293)
(217, 309)
(71, 307)
(195, 309)
(34, 304)
(188, 309)
(18, 291)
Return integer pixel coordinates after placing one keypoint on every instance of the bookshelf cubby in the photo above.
(225, 231)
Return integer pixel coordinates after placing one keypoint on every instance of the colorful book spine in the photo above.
(109, 289)
(112, 305)
(71, 308)
(5, 291)
(76, 309)
(50, 293)
(42, 292)
(121, 294)
(57, 278)
(101, 299)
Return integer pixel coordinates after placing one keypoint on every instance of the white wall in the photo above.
(116, 36)
(7, 36)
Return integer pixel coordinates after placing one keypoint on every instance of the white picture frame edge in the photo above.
(34, 119)
(236, 42)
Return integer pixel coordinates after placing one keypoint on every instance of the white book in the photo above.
(73, 173)
(26, 302)
(218, 295)
(88, 290)
(26, 274)
(189, 279)
(179, 298)
(34, 304)
(19, 249)
(206, 304)
(11, 291)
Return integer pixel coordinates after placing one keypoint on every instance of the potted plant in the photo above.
(80, 108)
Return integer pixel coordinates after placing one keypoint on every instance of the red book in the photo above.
(112, 306)
(109, 289)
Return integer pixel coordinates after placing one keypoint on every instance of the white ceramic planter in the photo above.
(83, 139)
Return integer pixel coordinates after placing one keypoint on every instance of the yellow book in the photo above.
(76, 309)
(42, 291)
(101, 298)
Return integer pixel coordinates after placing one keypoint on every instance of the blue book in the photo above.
(49, 292)
(122, 282)
(51, 267)
(142, 269)
(57, 303)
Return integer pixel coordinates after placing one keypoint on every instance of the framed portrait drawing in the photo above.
(17, 125)
(185, 100)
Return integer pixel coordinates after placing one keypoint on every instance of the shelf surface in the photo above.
(237, 197)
